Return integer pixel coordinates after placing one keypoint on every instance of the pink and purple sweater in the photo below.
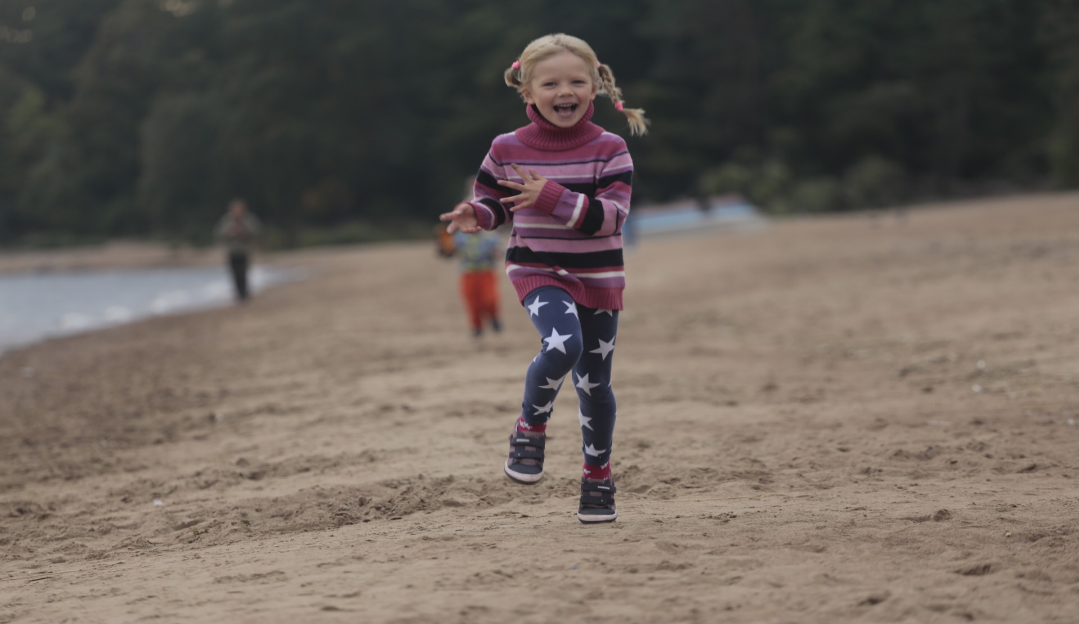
(572, 236)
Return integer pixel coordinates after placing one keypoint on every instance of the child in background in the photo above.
(477, 254)
(565, 184)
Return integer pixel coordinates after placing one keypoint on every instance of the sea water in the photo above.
(36, 306)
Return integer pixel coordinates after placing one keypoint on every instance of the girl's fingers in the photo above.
(512, 185)
(510, 199)
(535, 176)
(522, 205)
(452, 227)
(520, 172)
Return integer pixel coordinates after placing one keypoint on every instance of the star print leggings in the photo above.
(578, 341)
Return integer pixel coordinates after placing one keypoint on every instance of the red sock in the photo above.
(527, 428)
(597, 472)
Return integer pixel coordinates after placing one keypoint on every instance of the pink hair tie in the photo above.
(516, 65)
(598, 64)
(618, 106)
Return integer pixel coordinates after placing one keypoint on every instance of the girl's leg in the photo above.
(554, 314)
(592, 380)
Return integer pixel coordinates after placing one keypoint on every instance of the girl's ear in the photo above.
(595, 89)
(527, 95)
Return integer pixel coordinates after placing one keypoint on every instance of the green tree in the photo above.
(139, 117)
(1060, 34)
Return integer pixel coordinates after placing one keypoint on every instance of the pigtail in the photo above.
(513, 76)
(638, 124)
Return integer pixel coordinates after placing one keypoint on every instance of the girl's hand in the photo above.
(530, 190)
(463, 217)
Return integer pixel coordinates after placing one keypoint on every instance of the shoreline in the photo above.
(48, 305)
(113, 255)
(123, 254)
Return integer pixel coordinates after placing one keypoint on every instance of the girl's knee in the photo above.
(563, 348)
(559, 363)
(598, 395)
(574, 349)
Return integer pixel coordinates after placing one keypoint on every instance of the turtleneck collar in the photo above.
(544, 135)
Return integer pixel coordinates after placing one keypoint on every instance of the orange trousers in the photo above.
(480, 296)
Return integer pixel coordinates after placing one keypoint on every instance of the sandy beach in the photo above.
(835, 419)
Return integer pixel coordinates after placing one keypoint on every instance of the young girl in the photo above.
(565, 184)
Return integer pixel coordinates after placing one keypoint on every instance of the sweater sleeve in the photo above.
(600, 215)
(490, 213)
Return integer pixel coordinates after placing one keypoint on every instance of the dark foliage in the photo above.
(144, 117)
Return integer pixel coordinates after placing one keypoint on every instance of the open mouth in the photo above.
(565, 111)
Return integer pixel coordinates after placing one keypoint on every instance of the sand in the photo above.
(841, 419)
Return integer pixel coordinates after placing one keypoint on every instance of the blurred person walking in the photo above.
(568, 205)
(238, 230)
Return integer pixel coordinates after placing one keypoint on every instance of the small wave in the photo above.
(118, 314)
(169, 301)
(75, 321)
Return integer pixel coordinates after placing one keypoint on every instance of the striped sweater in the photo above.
(572, 236)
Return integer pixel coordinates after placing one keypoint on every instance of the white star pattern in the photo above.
(604, 347)
(583, 384)
(593, 451)
(584, 419)
(544, 409)
(533, 309)
(571, 308)
(553, 384)
(609, 313)
(556, 341)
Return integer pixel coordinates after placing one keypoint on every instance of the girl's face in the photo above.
(561, 88)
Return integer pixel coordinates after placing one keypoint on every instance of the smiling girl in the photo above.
(564, 183)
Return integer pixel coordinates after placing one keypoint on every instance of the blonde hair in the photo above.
(520, 74)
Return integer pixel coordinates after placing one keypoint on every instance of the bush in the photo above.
(765, 185)
(1064, 154)
(875, 182)
(817, 195)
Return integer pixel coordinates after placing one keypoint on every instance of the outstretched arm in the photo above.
(463, 218)
(488, 193)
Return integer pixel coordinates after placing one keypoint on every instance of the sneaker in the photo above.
(597, 501)
(525, 461)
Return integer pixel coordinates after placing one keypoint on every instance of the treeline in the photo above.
(351, 119)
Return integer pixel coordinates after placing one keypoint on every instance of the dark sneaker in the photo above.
(597, 501)
(525, 461)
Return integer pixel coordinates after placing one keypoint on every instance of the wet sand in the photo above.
(841, 419)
